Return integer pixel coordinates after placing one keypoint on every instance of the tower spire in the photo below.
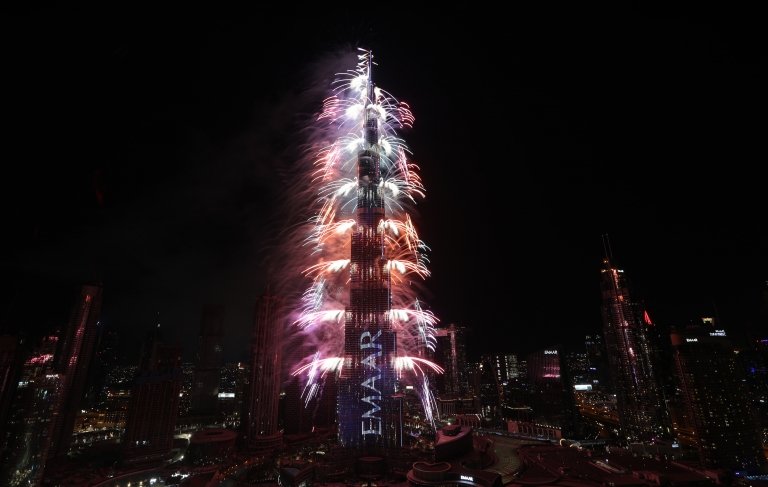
(370, 67)
(607, 247)
(370, 121)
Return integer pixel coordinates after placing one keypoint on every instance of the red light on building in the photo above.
(647, 318)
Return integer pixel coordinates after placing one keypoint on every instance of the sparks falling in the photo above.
(355, 110)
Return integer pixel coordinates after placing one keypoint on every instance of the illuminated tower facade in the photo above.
(367, 411)
(261, 423)
(74, 362)
(640, 410)
(205, 386)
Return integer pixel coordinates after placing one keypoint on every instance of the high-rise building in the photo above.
(154, 405)
(300, 416)
(73, 365)
(641, 413)
(579, 366)
(501, 371)
(516, 389)
(754, 360)
(500, 368)
(296, 407)
(296, 416)
(368, 410)
(26, 442)
(232, 392)
(597, 363)
(104, 360)
(261, 431)
(452, 356)
(474, 377)
(11, 360)
(511, 364)
(491, 391)
(550, 391)
(205, 386)
(187, 384)
(117, 394)
(712, 385)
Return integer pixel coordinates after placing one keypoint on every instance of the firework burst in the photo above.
(326, 242)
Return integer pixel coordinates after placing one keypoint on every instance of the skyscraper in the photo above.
(26, 442)
(299, 416)
(755, 360)
(205, 386)
(550, 389)
(640, 409)
(716, 401)
(452, 356)
(597, 363)
(261, 422)
(73, 364)
(511, 365)
(154, 405)
(232, 392)
(491, 391)
(296, 416)
(11, 359)
(367, 410)
(105, 359)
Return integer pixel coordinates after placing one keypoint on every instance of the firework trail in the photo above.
(322, 242)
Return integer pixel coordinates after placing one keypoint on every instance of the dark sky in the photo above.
(149, 150)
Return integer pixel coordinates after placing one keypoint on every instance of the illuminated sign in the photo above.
(717, 333)
(371, 421)
(550, 352)
(691, 340)
(226, 394)
(468, 478)
(582, 387)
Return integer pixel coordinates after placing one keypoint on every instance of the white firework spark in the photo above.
(324, 248)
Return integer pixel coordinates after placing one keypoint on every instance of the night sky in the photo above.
(151, 151)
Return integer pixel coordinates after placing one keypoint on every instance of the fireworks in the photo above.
(345, 122)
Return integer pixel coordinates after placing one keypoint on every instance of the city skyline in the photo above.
(152, 161)
(151, 421)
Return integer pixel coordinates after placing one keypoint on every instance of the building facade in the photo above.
(154, 405)
(261, 428)
(452, 356)
(205, 385)
(73, 364)
(366, 407)
(550, 390)
(26, 440)
(641, 412)
(714, 392)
